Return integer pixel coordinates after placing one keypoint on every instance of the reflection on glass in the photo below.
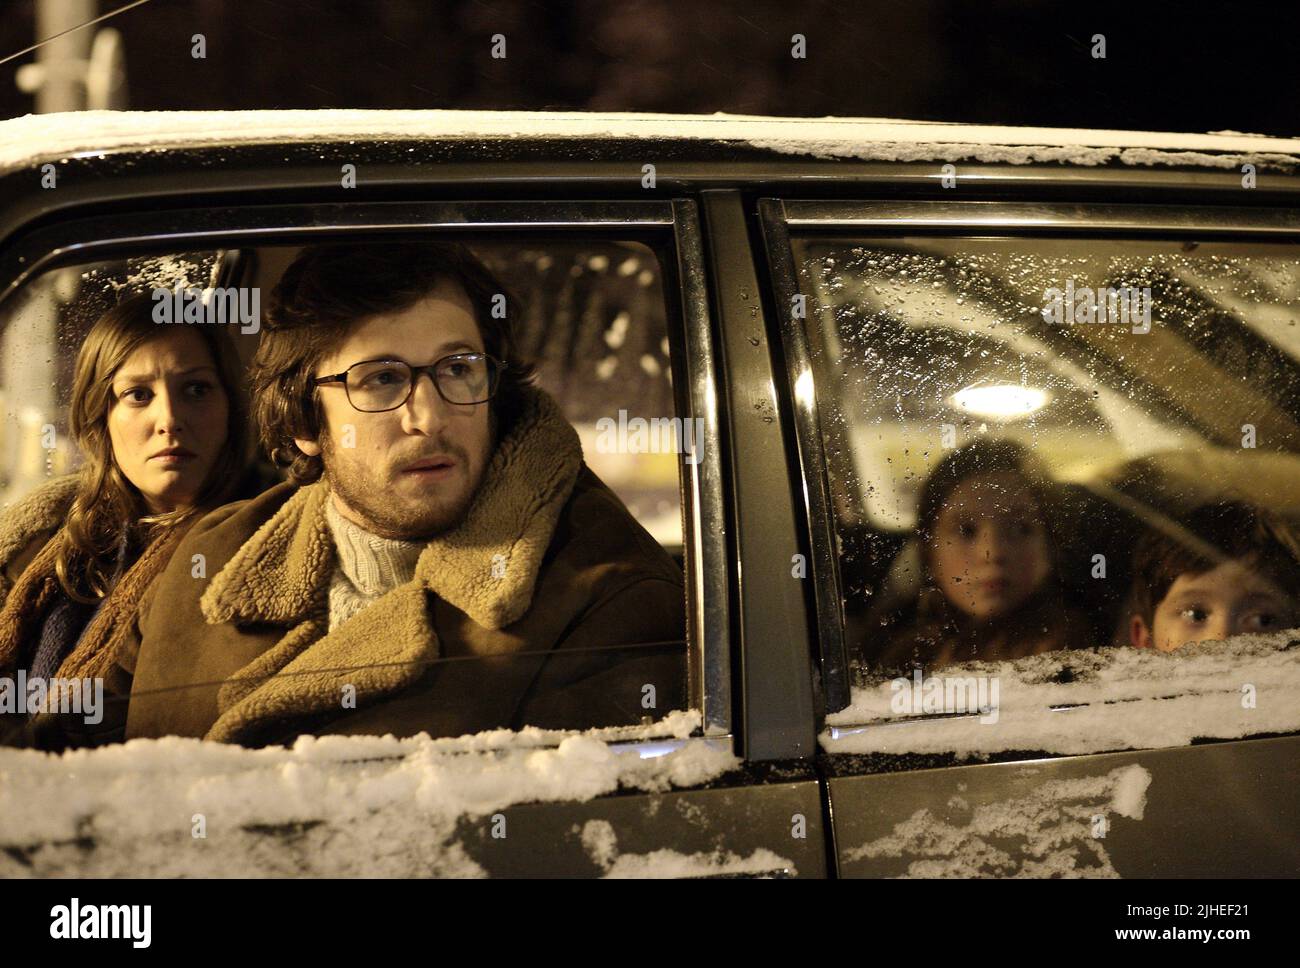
(1144, 383)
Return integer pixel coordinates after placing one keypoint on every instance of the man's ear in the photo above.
(1138, 633)
(308, 447)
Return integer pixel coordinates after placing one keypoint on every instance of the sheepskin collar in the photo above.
(36, 514)
(487, 567)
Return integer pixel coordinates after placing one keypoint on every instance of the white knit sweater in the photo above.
(369, 566)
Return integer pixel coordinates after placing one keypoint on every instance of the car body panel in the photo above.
(1215, 809)
(692, 833)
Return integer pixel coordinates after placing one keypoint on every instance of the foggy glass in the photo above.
(1176, 388)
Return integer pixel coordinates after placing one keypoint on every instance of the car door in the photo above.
(914, 329)
(763, 816)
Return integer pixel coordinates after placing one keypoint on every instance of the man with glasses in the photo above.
(441, 559)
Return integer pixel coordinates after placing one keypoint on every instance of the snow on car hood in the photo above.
(330, 806)
(1087, 701)
(35, 139)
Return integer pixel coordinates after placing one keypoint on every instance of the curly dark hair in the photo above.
(329, 289)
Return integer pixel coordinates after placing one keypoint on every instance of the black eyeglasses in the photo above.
(374, 386)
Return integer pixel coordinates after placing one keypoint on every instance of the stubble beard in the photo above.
(371, 495)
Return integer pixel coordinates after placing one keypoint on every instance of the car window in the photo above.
(1031, 442)
(592, 316)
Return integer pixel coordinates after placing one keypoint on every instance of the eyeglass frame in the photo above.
(416, 372)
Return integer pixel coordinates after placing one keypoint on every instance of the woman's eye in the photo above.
(966, 530)
(200, 388)
(1193, 614)
(135, 395)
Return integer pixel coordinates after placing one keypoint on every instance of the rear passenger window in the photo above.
(1036, 447)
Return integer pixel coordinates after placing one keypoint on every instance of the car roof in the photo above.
(37, 139)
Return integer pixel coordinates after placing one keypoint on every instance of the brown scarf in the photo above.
(37, 591)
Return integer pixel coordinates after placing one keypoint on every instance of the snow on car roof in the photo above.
(36, 139)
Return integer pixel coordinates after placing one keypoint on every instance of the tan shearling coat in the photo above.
(31, 592)
(508, 621)
(29, 523)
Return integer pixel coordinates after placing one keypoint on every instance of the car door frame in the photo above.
(870, 797)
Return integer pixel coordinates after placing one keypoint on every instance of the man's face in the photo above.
(1213, 605)
(990, 551)
(368, 457)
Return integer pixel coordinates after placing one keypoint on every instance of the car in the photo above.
(839, 303)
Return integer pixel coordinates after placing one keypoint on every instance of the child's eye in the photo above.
(966, 529)
(1264, 621)
(1193, 614)
(137, 395)
(199, 388)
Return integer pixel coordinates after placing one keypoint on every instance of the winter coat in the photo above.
(28, 525)
(507, 622)
(934, 634)
(85, 640)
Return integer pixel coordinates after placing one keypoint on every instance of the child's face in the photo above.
(1212, 605)
(990, 552)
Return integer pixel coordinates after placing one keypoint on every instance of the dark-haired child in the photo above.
(1235, 569)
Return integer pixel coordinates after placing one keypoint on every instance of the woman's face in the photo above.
(989, 552)
(167, 421)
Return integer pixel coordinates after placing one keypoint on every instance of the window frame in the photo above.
(668, 226)
(781, 219)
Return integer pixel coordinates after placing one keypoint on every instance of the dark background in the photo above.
(1169, 66)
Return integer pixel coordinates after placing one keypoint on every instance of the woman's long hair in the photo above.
(108, 508)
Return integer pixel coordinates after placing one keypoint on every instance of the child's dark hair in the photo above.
(1225, 530)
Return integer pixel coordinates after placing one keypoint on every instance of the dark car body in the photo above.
(769, 654)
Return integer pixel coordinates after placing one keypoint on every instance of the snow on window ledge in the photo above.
(329, 806)
(1087, 701)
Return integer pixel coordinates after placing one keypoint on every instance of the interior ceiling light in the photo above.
(1003, 401)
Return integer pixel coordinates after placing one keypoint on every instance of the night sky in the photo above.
(1167, 66)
